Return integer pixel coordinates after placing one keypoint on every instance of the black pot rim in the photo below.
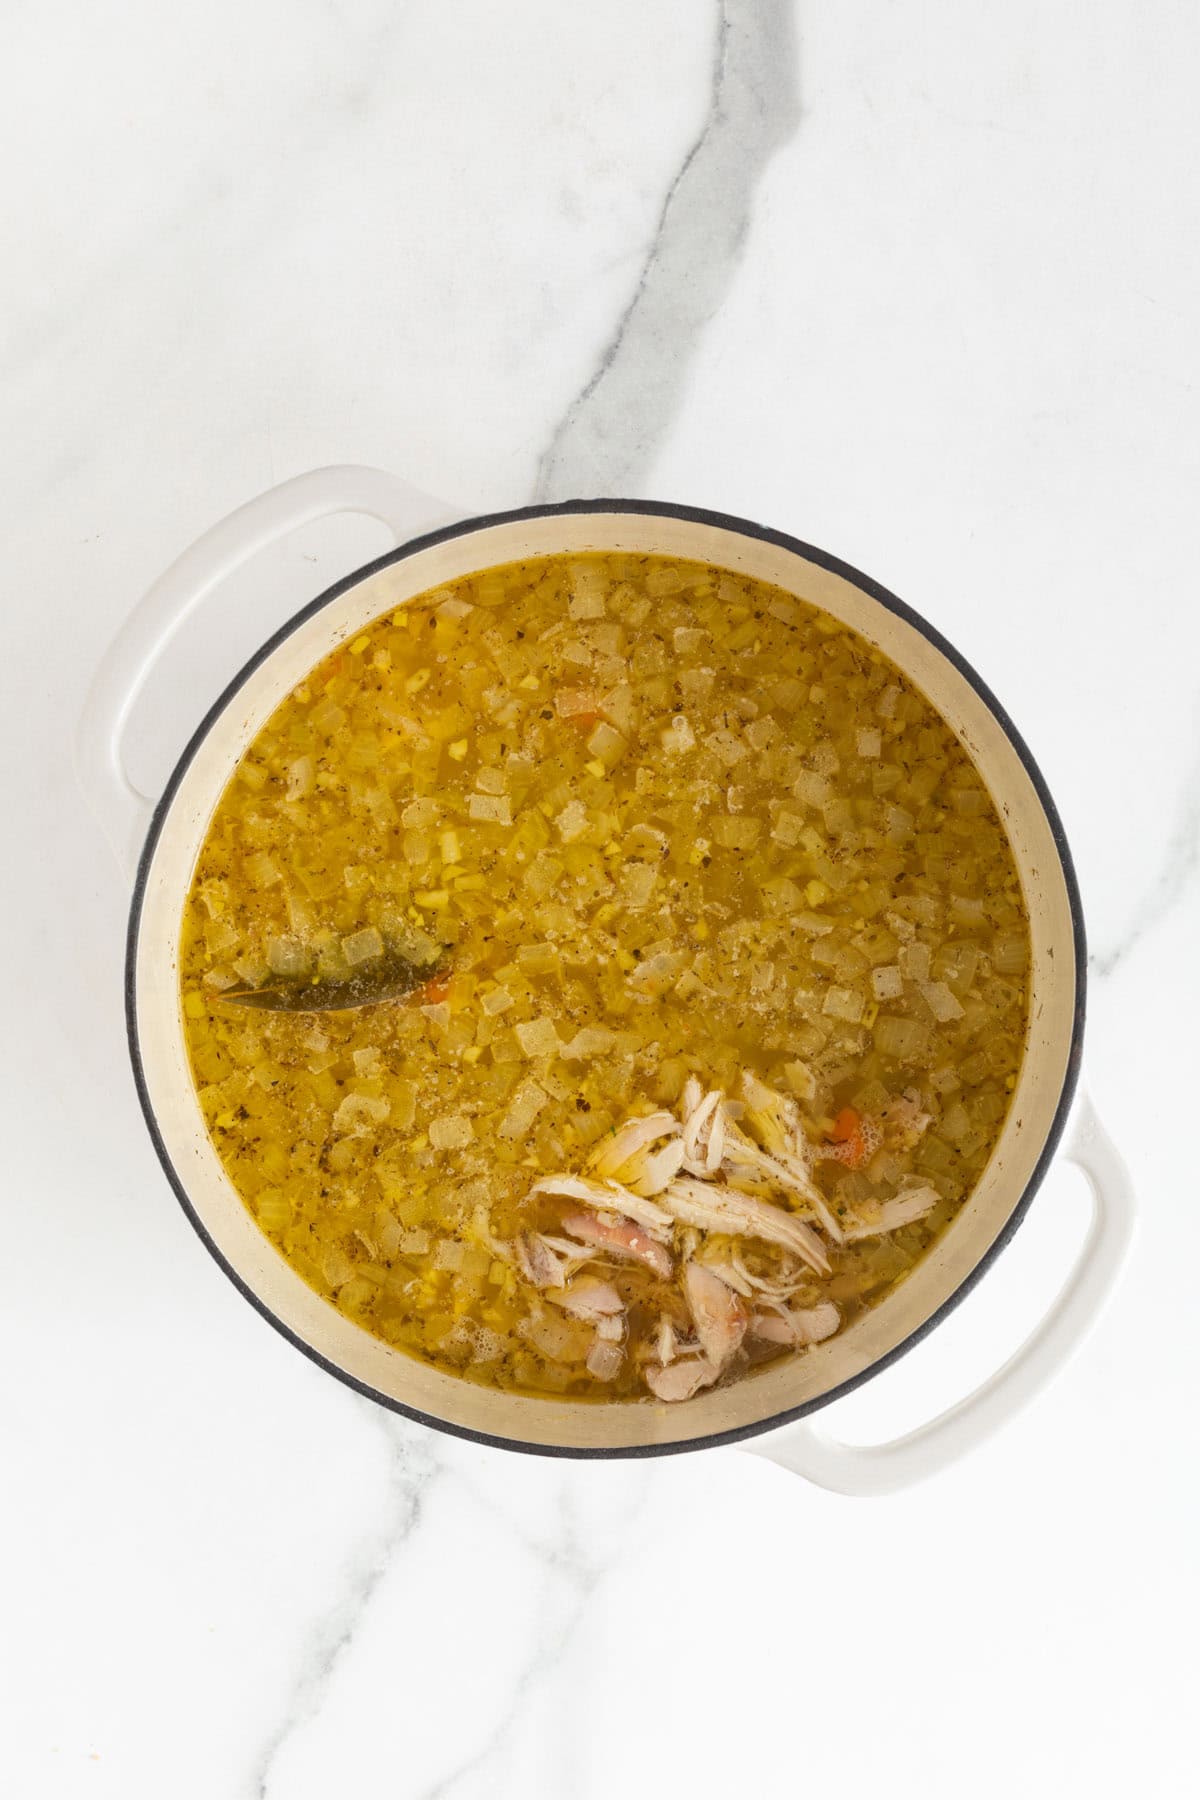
(834, 565)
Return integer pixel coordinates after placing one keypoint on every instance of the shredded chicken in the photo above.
(731, 1276)
(779, 1286)
(537, 1262)
(627, 1140)
(589, 1298)
(628, 1156)
(680, 1380)
(572, 1253)
(796, 1325)
(609, 1196)
(912, 1204)
(780, 1157)
(656, 1168)
(714, 1207)
(655, 1188)
(703, 1129)
(619, 1237)
(717, 1313)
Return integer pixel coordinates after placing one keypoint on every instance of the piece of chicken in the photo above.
(714, 1143)
(608, 1196)
(681, 1379)
(717, 1313)
(665, 1342)
(902, 1209)
(703, 1128)
(714, 1207)
(588, 1298)
(627, 1155)
(538, 1263)
(796, 1324)
(621, 1237)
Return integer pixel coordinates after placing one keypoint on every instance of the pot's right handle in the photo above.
(882, 1468)
(123, 813)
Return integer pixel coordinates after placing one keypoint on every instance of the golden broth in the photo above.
(643, 821)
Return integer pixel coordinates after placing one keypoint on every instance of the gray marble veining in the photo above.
(414, 1468)
(606, 439)
(570, 1571)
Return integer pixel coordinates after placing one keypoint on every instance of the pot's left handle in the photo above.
(124, 813)
(806, 1449)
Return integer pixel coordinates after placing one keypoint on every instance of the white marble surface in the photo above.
(919, 284)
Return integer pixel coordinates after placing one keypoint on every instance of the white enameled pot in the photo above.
(1046, 1117)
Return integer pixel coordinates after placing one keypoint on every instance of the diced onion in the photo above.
(527, 1103)
(914, 961)
(494, 809)
(362, 946)
(887, 983)
(812, 788)
(357, 1112)
(572, 821)
(604, 1360)
(537, 1037)
(450, 1134)
(941, 1001)
(637, 884)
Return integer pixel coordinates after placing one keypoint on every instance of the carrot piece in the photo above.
(848, 1130)
(435, 989)
(584, 721)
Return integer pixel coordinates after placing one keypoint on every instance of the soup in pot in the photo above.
(704, 954)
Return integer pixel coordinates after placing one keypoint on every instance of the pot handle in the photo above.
(883, 1468)
(122, 812)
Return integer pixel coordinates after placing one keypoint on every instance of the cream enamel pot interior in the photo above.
(782, 1393)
